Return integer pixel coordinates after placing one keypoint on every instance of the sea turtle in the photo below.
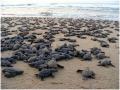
(71, 40)
(42, 66)
(95, 50)
(105, 62)
(112, 39)
(16, 46)
(23, 33)
(94, 39)
(101, 56)
(11, 72)
(87, 73)
(39, 40)
(82, 37)
(32, 59)
(46, 73)
(104, 44)
(6, 63)
(10, 59)
(62, 39)
(81, 53)
(20, 56)
(60, 56)
(36, 64)
(87, 56)
(74, 45)
(53, 64)
(34, 50)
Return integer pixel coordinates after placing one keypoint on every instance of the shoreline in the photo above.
(53, 17)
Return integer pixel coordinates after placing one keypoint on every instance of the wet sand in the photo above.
(67, 78)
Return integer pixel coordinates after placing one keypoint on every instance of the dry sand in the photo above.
(106, 78)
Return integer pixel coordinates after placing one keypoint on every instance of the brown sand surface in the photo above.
(67, 78)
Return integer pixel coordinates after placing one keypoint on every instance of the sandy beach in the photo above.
(67, 78)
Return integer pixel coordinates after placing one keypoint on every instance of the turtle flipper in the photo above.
(52, 75)
(7, 74)
(42, 79)
(106, 66)
(79, 71)
(36, 75)
(60, 66)
(99, 65)
(40, 69)
(112, 65)
(93, 77)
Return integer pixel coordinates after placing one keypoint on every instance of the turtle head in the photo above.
(30, 64)
(99, 62)
(36, 75)
(8, 75)
(20, 72)
(54, 70)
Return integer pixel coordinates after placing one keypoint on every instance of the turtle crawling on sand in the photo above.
(36, 64)
(84, 55)
(104, 44)
(87, 73)
(112, 39)
(81, 53)
(46, 73)
(31, 59)
(10, 59)
(16, 46)
(11, 72)
(6, 63)
(95, 50)
(101, 56)
(50, 64)
(54, 64)
(43, 66)
(105, 62)
(87, 56)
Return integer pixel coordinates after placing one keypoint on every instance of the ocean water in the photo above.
(108, 11)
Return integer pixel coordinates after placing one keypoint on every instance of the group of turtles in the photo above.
(38, 52)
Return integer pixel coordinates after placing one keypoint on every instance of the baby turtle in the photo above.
(32, 59)
(104, 44)
(105, 62)
(16, 46)
(101, 56)
(82, 37)
(112, 39)
(46, 73)
(81, 53)
(87, 56)
(62, 39)
(6, 63)
(54, 64)
(20, 56)
(11, 72)
(71, 40)
(43, 66)
(87, 73)
(10, 59)
(36, 64)
(95, 50)
(94, 39)
(34, 50)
